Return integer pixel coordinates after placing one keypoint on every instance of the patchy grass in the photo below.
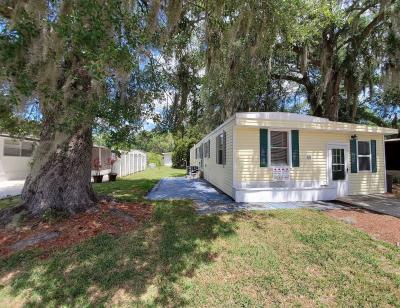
(9, 202)
(129, 188)
(135, 187)
(288, 257)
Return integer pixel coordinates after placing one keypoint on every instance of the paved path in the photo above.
(382, 203)
(209, 200)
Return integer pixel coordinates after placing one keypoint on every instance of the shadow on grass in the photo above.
(139, 268)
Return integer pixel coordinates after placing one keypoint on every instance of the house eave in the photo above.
(313, 123)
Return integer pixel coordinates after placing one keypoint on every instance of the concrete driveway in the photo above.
(11, 188)
(381, 203)
(208, 200)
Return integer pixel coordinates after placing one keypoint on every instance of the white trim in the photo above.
(280, 116)
(276, 185)
(330, 181)
(392, 140)
(234, 162)
(384, 164)
(285, 195)
(304, 122)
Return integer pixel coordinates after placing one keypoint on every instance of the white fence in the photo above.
(130, 162)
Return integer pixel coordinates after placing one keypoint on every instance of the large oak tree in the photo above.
(83, 64)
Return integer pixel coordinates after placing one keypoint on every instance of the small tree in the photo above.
(181, 152)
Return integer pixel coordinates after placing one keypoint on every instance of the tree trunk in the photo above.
(61, 172)
(316, 108)
(331, 98)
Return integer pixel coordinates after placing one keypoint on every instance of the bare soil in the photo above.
(396, 189)
(379, 226)
(107, 217)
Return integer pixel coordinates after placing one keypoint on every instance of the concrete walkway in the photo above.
(381, 203)
(209, 200)
(11, 188)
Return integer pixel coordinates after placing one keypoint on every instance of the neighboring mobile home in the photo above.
(15, 156)
(273, 156)
(167, 159)
(392, 151)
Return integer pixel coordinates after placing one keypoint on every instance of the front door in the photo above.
(338, 168)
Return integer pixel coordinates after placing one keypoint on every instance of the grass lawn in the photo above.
(9, 201)
(288, 257)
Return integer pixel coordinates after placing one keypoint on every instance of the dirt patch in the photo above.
(107, 217)
(379, 226)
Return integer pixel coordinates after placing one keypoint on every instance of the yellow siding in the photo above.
(312, 143)
(221, 176)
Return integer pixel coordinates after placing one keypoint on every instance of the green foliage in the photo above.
(86, 62)
(9, 202)
(181, 153)
(155, 158)
(154, 142)
(148, 141)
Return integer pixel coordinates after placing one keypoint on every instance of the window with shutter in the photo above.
(279, 148)
(364, 155)
(221, 148)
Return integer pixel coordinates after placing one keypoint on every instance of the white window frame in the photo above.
(289, 147)
(369, 156)
(221, 144)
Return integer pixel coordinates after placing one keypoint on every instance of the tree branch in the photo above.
(289, 78)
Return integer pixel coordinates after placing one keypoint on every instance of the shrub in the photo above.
(155, 158)
(181, 153)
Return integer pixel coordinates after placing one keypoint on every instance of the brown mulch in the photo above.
(396, 189)
(107, 217)
(378, 226)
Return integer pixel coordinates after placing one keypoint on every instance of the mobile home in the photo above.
(167, 159)
(15, 157)
(278, 157)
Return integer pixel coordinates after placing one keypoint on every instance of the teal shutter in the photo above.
(353, 155)
(373, 156)
(295, 149)
(263, 147)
